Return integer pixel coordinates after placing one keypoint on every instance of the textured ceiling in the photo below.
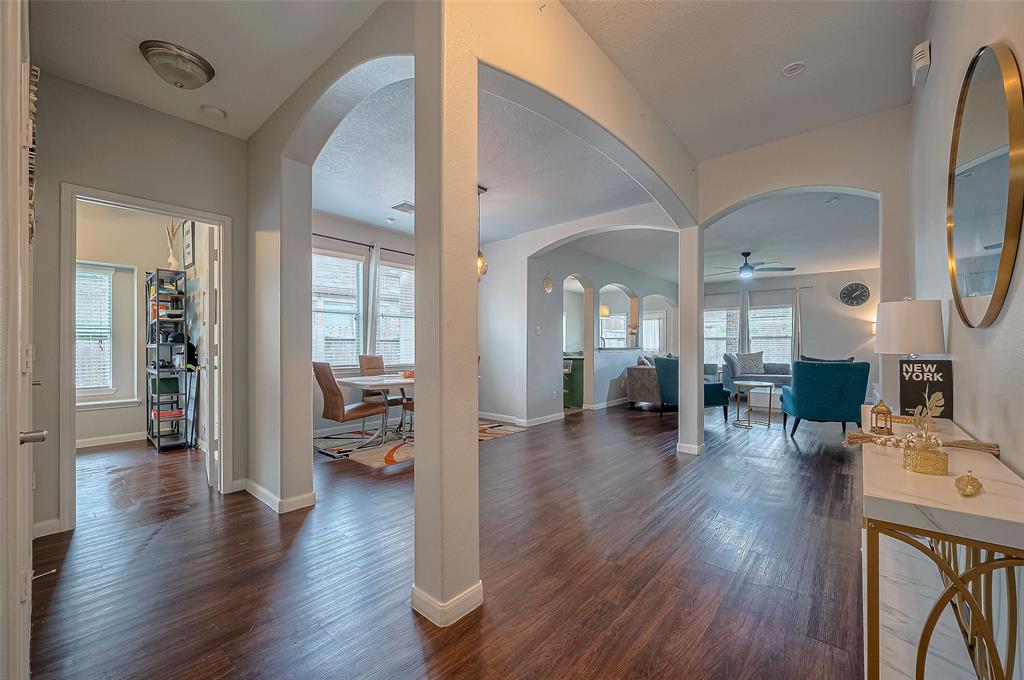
(798, 230)
(537, 173)
(648, 250)
(261, 51)
(712, 69)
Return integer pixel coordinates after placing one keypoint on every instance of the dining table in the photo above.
(382, 384)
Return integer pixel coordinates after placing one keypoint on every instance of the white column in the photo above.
(447, 485)
(691, 341)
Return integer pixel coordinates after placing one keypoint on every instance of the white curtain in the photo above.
(744, 339)
(797, 330)
(372, 295)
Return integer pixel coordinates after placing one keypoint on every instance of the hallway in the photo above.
(603, 554)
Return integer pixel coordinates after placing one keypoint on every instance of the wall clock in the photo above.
(854, 294)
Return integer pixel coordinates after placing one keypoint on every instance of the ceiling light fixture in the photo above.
(177, 65)
(793, 69)
(746, 270)
(389, 220)
(481, 260)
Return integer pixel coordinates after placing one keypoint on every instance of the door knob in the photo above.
(32, 437)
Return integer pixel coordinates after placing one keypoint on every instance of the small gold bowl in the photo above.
(968, 485)
(926, 461)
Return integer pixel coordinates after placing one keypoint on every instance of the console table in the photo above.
(970, 548)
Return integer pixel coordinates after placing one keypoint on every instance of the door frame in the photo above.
(69, 195)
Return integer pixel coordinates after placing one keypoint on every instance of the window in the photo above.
(337, 309)
(721, 334)
(654, 331)
(613, 330)
(771, 331)
(396, 318)
(94, 305)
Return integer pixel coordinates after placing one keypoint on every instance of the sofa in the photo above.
(642, 382)
(779, 374)
(825, 392)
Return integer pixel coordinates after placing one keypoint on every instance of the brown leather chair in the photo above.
(334, 400)
(370, 364)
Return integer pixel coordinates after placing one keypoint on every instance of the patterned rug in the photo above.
(398, 451)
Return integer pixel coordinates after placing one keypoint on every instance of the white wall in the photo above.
(573, 308)
(89, 138)
(544, 349)
(133, 239)
(988, 364)
(831, 330)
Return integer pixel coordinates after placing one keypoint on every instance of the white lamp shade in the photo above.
(909, 327)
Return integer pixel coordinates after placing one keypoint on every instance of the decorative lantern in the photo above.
(881, 419)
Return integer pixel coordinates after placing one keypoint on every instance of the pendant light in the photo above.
(481, 261)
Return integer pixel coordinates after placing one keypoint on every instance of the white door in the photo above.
(16, 356)
(211, 362)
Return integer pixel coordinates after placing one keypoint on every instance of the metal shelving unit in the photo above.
(166, 353)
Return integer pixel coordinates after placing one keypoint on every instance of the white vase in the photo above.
(172, 262)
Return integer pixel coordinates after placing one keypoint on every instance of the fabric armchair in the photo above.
(715, 394)
(668, 380)
(825, 392)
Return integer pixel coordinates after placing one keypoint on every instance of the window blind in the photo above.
(771, 331)
(337, 309)
(721, 333)
(93, 327)
(396, 319)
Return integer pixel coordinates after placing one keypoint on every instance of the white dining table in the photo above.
(380, 383)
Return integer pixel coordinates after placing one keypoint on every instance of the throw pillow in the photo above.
(804, 357)
(750, 364)
(643, 361)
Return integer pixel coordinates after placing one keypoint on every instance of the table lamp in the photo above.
(909, 328)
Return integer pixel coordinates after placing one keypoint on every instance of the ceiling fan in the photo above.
(747, 269)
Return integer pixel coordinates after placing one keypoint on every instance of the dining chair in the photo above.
(335, 408)
(371, 364)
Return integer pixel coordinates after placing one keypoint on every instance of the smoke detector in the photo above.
(794, 69)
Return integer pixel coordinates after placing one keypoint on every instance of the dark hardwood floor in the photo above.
(604, 555)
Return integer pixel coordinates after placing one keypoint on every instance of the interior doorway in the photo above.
(141, 337)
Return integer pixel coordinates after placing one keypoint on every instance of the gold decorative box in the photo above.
(926, 460)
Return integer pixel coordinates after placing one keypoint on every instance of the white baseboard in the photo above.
(690, 449)
(540, 420)
(512, 420)
(46, 527)
(279, 505)
(446, 613)
(605, 404)
(235, 486)
(110, 439)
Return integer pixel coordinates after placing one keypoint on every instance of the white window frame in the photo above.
(788, 338)
(86, 395)
(393, 265)
(625, 332)
(346, 369)
(718, 361)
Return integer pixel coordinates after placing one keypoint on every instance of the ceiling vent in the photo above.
(920, 63)
(404, 207)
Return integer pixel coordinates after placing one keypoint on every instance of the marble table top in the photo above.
(931, 502)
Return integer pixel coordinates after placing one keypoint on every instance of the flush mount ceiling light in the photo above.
(177, 65)
(793, 69)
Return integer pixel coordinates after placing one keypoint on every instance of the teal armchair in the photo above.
(825, 392)
(668, 384)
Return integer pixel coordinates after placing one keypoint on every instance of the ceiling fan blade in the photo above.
(732, 269)
(719, 274)
(776, 269)
(993, 246)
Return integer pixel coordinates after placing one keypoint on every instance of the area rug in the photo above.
(398, 451)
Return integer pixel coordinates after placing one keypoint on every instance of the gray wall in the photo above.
(831, 330)
(544, 312)
(572, 308)
(89, 138)
(988, 364)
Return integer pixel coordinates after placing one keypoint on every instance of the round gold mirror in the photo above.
(985, 199)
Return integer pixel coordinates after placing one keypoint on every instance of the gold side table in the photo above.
(752, 385)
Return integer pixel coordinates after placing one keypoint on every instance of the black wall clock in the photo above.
(854, 294)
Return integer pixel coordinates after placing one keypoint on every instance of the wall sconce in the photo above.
(549, 285)
(603, 311)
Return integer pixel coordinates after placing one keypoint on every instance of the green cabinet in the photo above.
(572, 382)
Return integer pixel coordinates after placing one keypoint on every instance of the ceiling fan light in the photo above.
(177, 65)
(746, 271)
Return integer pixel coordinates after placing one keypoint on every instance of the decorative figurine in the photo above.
(881, 419)
(968, 485)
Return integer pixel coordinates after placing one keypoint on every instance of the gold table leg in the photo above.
(873, 632)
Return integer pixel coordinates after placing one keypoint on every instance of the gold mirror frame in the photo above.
(1015, 195)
